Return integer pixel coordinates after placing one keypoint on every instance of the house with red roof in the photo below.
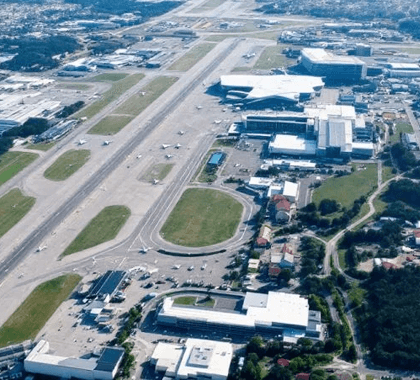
(302, 376)
(281, 207)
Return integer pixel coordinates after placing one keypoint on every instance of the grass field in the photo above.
(73, 86)
(41, 146)
(103, 227)
(193, 301)
(271, 58)
(387, 173)
(36, 310)
(67, 164)
(13, 207)
(208, 5)
(401, 127)
(138, 103)
(157, 171)
(111, 77)
(110, 125)
(347, 189)
(190, 58)
(202, 217)
(185, 300)
(241, 69)
(118, 88)
(11, 163)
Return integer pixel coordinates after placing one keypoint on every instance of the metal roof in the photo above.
(107, 284)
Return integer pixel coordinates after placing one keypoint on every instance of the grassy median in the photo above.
(67, 164)
(118, 88)
(202, 217)
(132, 107)
(36, 310)
(102, 228)
(13, 207)
(192, 57)
(11, 163)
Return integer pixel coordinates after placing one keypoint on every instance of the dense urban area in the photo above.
(209, 190)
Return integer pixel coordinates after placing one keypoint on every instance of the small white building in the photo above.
(105, 368)
(290, 191)
(416, 234)
(196, 359)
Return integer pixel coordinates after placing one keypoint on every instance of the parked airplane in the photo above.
(177, 146)
(181, 132)
(164, 146)
(81, 142)
(155, 181)
(107, 142)
(168, 156)
(249, 55)
(41, 248)
(145, 249)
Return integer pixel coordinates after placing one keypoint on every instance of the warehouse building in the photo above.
(103, 368)
(402, 70)
(334, 68)
(265, 314)
(195, 359)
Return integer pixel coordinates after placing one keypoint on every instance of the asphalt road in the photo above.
(35, 238)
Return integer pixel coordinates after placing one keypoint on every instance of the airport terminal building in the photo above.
(275, 313)
(325, 131)
(333, 67)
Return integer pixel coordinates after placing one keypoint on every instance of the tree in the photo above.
(279, 373)
(256, 345)
(328, 206)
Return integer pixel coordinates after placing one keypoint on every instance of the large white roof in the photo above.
(293, 144)
(324, 111)
(281, 309)
(323, 56)
(265, 86)
(290, 189)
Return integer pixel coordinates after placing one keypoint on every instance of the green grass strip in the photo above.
(110, 125)
(11, 163)
(148, 94)
(13, 207)
(67, 164)
(189, 59)
(103, 227)
(36, 310)
(117, 89)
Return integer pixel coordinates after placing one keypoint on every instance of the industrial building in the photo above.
(103, 368)
(194, 359)
(16, 109)
(340, 68)
(261, 90)
(265, 314)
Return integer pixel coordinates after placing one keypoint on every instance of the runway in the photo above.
(35, 238)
